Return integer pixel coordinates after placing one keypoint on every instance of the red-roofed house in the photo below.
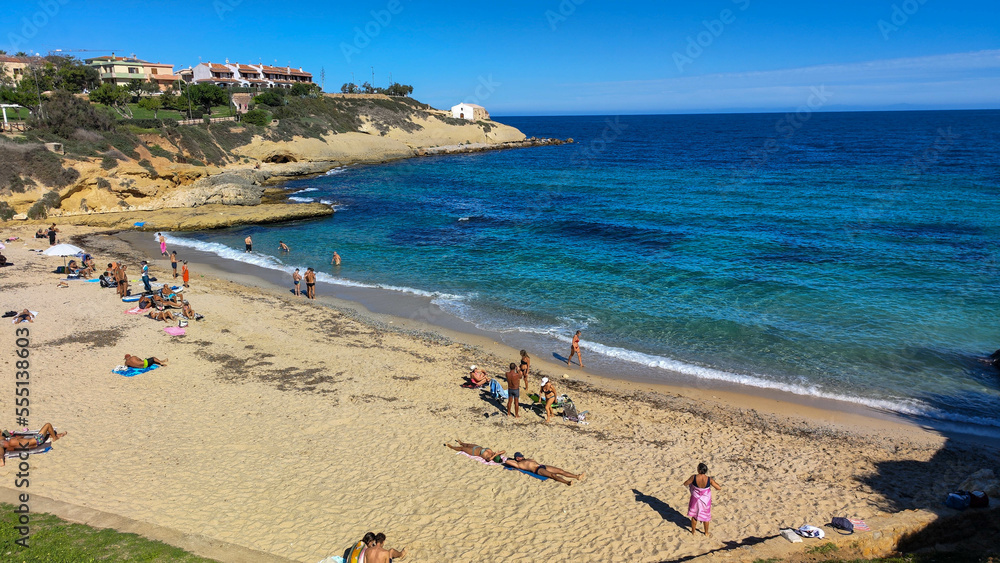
(247, 76)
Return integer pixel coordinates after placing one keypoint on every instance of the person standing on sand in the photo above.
(336, 259)
(185, 274)
(296, 279)
(310, 283)
(376, 553)
(52, 234)
(249, 242)
(549, 393)
(514, 390)
(173, 262)
(700, 505)
(163, 244)
(575, 349)
(525, 366)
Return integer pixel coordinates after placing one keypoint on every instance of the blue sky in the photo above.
(555, 57)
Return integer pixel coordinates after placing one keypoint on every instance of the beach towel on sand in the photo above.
(33, 451)
(174, 331)
(700, 505)
(535, 475)
(137, 311)
(497, 390)
(859, 525)
(481, 460)
(131, 372)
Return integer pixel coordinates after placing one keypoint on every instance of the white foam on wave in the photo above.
(326, 202)
(306, 190)
(301, 199)
(273, 263)
(335, 171)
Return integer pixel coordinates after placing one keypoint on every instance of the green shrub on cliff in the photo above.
(6, 211)
(257, 117)
(24, 164)
(40, 209)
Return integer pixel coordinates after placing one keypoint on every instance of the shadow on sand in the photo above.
(666, 511)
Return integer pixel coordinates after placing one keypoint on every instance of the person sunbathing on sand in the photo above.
(24, 315)
(161, 314)
(137, 362)
(477, 376)
(523, 463)
(15, 443)
(377, 553)
(477, 451)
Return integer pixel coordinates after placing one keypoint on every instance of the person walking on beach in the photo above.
(336, 259)
(514, 390)
(163, 244)
(296, 280)
(283, 247)
(525, 366)
(249, 242)
(575, 350)
(561, 475)
(310, 283)
(185, 274)
(377, 553)
(700, 505)
(173, 262)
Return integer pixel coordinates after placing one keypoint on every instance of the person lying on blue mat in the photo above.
(525, 464)
(13, 443)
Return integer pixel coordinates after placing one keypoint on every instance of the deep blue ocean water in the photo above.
(845, 255)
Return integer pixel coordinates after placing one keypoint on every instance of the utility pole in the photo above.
(373, 77)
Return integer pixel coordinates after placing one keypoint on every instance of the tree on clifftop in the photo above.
(151, 103)
(115, 97)
(207, 95)
(397, 89)
(349, 88)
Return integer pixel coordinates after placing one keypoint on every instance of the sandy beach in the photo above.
(293, 427)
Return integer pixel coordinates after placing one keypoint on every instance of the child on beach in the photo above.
(163, 244)
(700, 505)
(173, 262)
(185, 274)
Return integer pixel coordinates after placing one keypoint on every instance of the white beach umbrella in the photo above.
(63, 250)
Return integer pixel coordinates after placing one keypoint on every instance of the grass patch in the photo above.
(55, 540)
(158, 151)
(828, 547)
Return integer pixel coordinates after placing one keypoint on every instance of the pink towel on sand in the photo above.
(700, 506)
(859, 525)
(174, 331)
(479, 459)
(136, 311)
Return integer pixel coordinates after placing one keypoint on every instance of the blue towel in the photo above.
(497, 390)
(535, 475)
(95, 280)
(139, 224)
(131, 372)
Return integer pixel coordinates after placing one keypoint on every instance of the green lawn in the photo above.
(139, 113)
(53, 540)
(14, 114)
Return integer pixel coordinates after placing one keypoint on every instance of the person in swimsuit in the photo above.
(283, 247)
(137, 362)
(16, 443)
(561, 475)
(161, 314)
(310, 283)
(700, 505)
(24, 315)
(173, 262)
(249, 242)
(514, 390)
(477, 376)
(477, 451)
(296, 278)
(185, 274)
(575, 349)
(549, 392)
(376, 553)
(525, 366)
(336, 259)
(360, 547)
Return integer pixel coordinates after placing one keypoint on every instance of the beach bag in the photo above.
(841, 523)
(182, 324)
(959, 500)
(979, 499)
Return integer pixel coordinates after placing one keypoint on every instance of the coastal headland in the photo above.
(110, 177)
(292, 428)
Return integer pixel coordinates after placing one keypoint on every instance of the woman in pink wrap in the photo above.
(700, 505)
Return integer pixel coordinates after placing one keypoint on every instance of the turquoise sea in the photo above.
(851, 256)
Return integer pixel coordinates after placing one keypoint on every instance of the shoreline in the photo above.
(292, 428)
(419, 312)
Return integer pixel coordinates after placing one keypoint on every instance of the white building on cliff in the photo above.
(472, 112)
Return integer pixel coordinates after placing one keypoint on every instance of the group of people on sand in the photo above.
(371, 549)
(517, 378)
(310, 278)
(518, 461)
(51, 233)
(165, 301)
